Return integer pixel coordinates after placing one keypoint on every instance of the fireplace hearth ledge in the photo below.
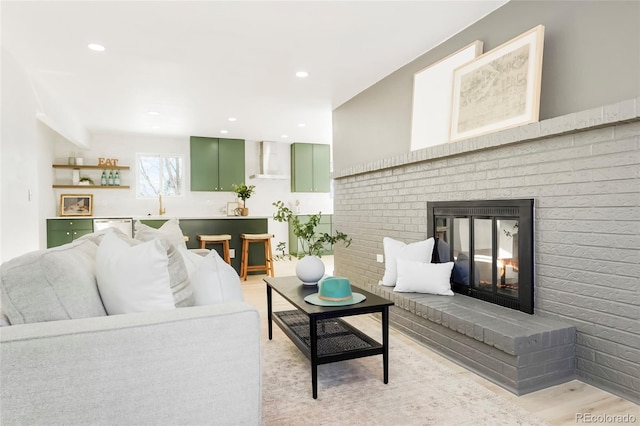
(519, 352)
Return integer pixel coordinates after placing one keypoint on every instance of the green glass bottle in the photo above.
(103, 178)
(110, 179)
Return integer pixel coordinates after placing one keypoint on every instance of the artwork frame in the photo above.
(232, 206)
(431, 104)
(76, 205)
(499, 89)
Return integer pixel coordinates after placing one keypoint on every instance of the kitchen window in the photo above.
(159, 174)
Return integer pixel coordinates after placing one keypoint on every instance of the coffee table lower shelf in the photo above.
(336, 340)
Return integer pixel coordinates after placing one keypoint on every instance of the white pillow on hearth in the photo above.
(421, 277)
(420, 251)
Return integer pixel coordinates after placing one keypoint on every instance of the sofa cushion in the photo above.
(133, 278)
(215, 281)
(50, 285)
(4, 320)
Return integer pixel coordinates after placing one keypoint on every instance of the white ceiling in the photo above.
(198, 63)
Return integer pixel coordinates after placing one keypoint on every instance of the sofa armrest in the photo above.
(198, 365)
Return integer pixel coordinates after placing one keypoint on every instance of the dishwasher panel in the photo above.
(124, 225)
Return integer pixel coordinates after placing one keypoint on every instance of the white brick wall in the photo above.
(586, 185)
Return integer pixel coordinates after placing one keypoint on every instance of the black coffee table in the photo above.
(319, 332)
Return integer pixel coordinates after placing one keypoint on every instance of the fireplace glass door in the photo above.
(507, 257)
(482, 255)
(491, 245)
(461, 251)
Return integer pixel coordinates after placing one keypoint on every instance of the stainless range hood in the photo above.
(274, 161)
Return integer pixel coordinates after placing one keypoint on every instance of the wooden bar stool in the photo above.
(217, 239)
(268, 254)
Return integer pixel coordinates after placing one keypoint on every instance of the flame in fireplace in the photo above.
(503, 263)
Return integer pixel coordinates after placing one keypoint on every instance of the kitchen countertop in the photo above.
(158, 217)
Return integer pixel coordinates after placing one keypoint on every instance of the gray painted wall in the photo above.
(591, 58)
(581, 169)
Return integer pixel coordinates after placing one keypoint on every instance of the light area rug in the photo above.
(420, 391)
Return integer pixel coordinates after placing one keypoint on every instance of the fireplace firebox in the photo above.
(491, 245)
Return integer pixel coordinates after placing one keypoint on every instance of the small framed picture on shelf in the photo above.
(232, 208)
(76, 205)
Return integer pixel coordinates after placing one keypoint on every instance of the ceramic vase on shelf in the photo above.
(310, 270)
(75, 176)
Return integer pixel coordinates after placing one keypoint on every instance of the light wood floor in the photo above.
(558, 405)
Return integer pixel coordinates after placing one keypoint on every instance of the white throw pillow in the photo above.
(191, 260)
(420, 277)
(133, 278)
(169, 230)
(420, 251)
(215, 281)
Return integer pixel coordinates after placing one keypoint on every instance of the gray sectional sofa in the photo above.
(64, 361)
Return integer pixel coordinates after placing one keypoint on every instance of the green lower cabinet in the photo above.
(325, 225)
(64, 231)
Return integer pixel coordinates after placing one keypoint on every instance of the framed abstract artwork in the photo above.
(500, 89)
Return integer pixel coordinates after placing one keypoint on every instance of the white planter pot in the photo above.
(310, 270)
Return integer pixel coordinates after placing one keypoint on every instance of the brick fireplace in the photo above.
(582, 171)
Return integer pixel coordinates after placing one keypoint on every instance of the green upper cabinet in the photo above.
(204, 164)
(310, 167)
(216, 163)
(230, 163)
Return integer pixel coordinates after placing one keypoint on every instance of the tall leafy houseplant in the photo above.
(243, 192)
(311, 242)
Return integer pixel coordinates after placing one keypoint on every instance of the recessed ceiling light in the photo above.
(302, 74)
(224, 131)
(97, 47)
(153, 113)
(284, 136)
(155, 127)
(301, 124)
(232, 119)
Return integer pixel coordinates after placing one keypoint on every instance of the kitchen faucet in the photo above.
(161, 210)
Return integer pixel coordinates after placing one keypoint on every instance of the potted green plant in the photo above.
(84, 180)
(311, 242)
(243, 192)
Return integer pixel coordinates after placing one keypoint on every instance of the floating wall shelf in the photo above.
(92, 186)
(92, 167)
(69, 166)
